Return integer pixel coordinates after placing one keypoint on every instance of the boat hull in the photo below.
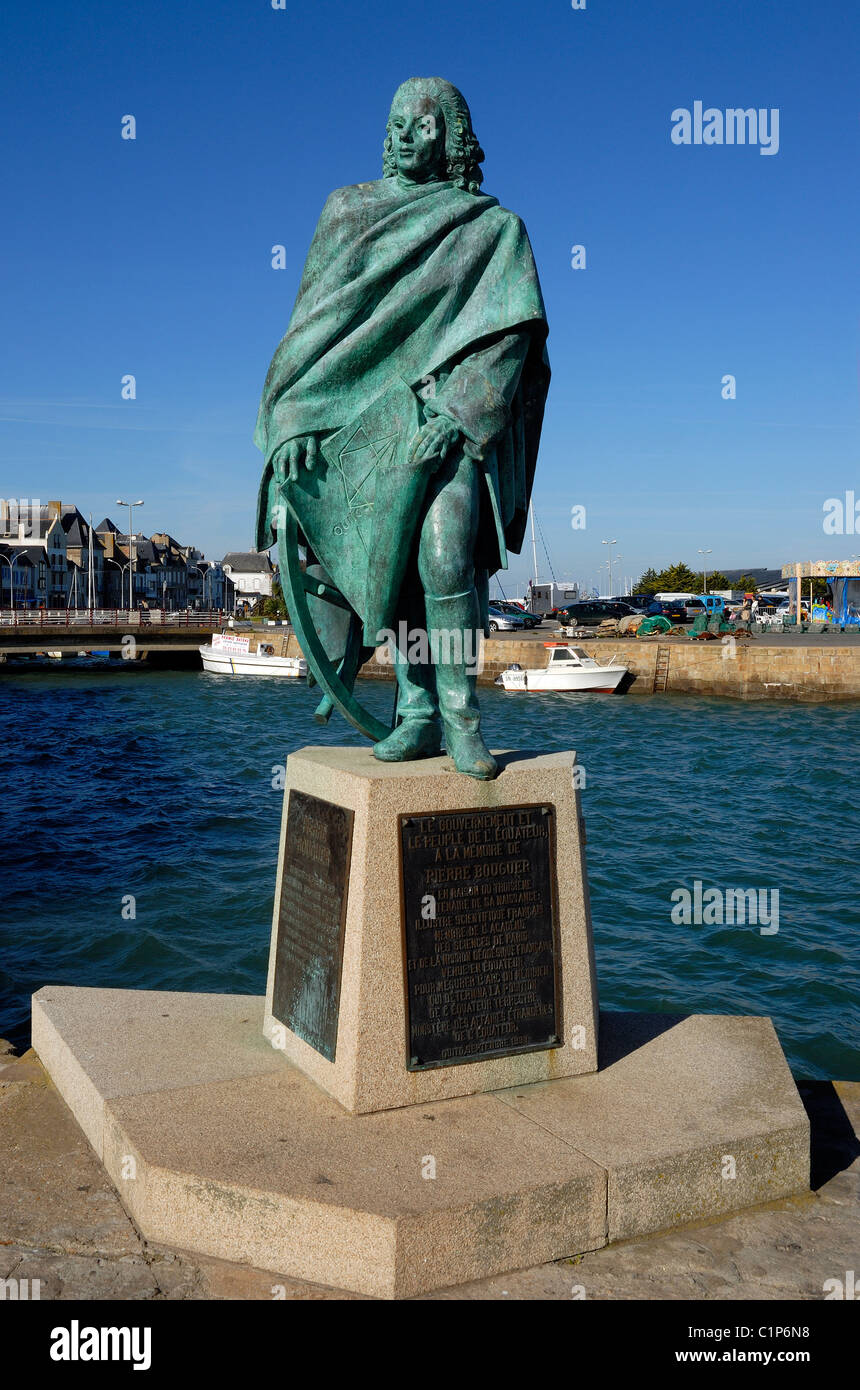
(226, 663)
(603, 681)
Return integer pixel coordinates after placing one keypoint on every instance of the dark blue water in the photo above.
(154, 784)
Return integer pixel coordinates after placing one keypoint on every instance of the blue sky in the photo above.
(153, 256)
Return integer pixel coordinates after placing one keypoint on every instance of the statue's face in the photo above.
(417, 137)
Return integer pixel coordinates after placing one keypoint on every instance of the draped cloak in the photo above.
(436, 286)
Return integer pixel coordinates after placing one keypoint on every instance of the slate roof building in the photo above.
(252, 574)
(34, 530)
(51, 558)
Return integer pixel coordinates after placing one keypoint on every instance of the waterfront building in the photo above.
(83, 553)
(32, 535)
(251, 574)
(23, 575)
(209, 586)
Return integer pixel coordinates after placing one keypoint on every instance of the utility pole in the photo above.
(704, 553)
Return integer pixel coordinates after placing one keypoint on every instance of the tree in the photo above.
(273, 607)
(717, 580)
(648, 584)
(679, 579)
(747, 583)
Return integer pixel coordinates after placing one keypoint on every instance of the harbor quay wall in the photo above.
(750, 670)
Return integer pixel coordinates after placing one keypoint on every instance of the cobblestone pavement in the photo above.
(62, 1222)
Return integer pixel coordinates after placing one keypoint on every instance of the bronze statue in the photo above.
(400, 422)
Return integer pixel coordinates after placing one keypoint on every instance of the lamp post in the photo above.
(610, 544)
(207, 575)
(11, 564)
(131, 537)
(122, 569)
(704, 569)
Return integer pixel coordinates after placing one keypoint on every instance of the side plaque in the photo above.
(311, 918)
(479, 904)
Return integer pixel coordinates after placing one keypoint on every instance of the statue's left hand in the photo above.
(433, 440)
(288, 459)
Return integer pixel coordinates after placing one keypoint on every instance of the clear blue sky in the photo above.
(153, 257)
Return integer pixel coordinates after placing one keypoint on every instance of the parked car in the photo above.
(499, 621)
(591, 612)
(672, 609)
(711, 603)
(514, 611)
(638, 602)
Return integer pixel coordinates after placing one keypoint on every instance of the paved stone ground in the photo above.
(62, 1222)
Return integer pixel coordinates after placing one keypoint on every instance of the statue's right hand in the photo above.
(288, 459)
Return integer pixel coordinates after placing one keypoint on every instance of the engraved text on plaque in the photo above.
(479, 902)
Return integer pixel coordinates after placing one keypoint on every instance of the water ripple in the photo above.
(150, 792)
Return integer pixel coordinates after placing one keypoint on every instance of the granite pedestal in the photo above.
(417, 1101)
(473, 840)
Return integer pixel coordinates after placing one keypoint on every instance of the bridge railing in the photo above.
(110, 617)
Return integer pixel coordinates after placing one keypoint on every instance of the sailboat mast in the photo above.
(534, 542)
(90, 575)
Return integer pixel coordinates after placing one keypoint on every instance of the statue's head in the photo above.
(429, 135)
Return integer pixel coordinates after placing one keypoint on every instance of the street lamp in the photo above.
(11, 564)
(122, 569)
(610, 544)
(608, 566)
(705, 571)
(207, 575)
(131, 558)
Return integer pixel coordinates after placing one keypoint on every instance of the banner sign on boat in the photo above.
(228, 642)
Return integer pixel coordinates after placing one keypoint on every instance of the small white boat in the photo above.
(229, 655)
(568, 668)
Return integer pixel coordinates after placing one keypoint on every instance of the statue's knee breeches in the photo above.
(447, 545)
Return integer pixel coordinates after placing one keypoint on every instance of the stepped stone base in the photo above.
(218, 1144)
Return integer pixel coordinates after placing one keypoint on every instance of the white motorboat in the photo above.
(568, 668)
(229, 654)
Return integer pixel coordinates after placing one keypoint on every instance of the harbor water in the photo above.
(140, 811)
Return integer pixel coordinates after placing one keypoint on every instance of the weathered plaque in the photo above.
(311, 918)
(480, 928)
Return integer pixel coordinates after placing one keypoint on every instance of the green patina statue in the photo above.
(400, 422)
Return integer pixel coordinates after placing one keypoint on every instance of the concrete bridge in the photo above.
(133, 635)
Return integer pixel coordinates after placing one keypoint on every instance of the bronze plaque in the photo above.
(480, 913)
(311, 919)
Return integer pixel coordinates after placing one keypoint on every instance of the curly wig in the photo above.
(463, 154)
